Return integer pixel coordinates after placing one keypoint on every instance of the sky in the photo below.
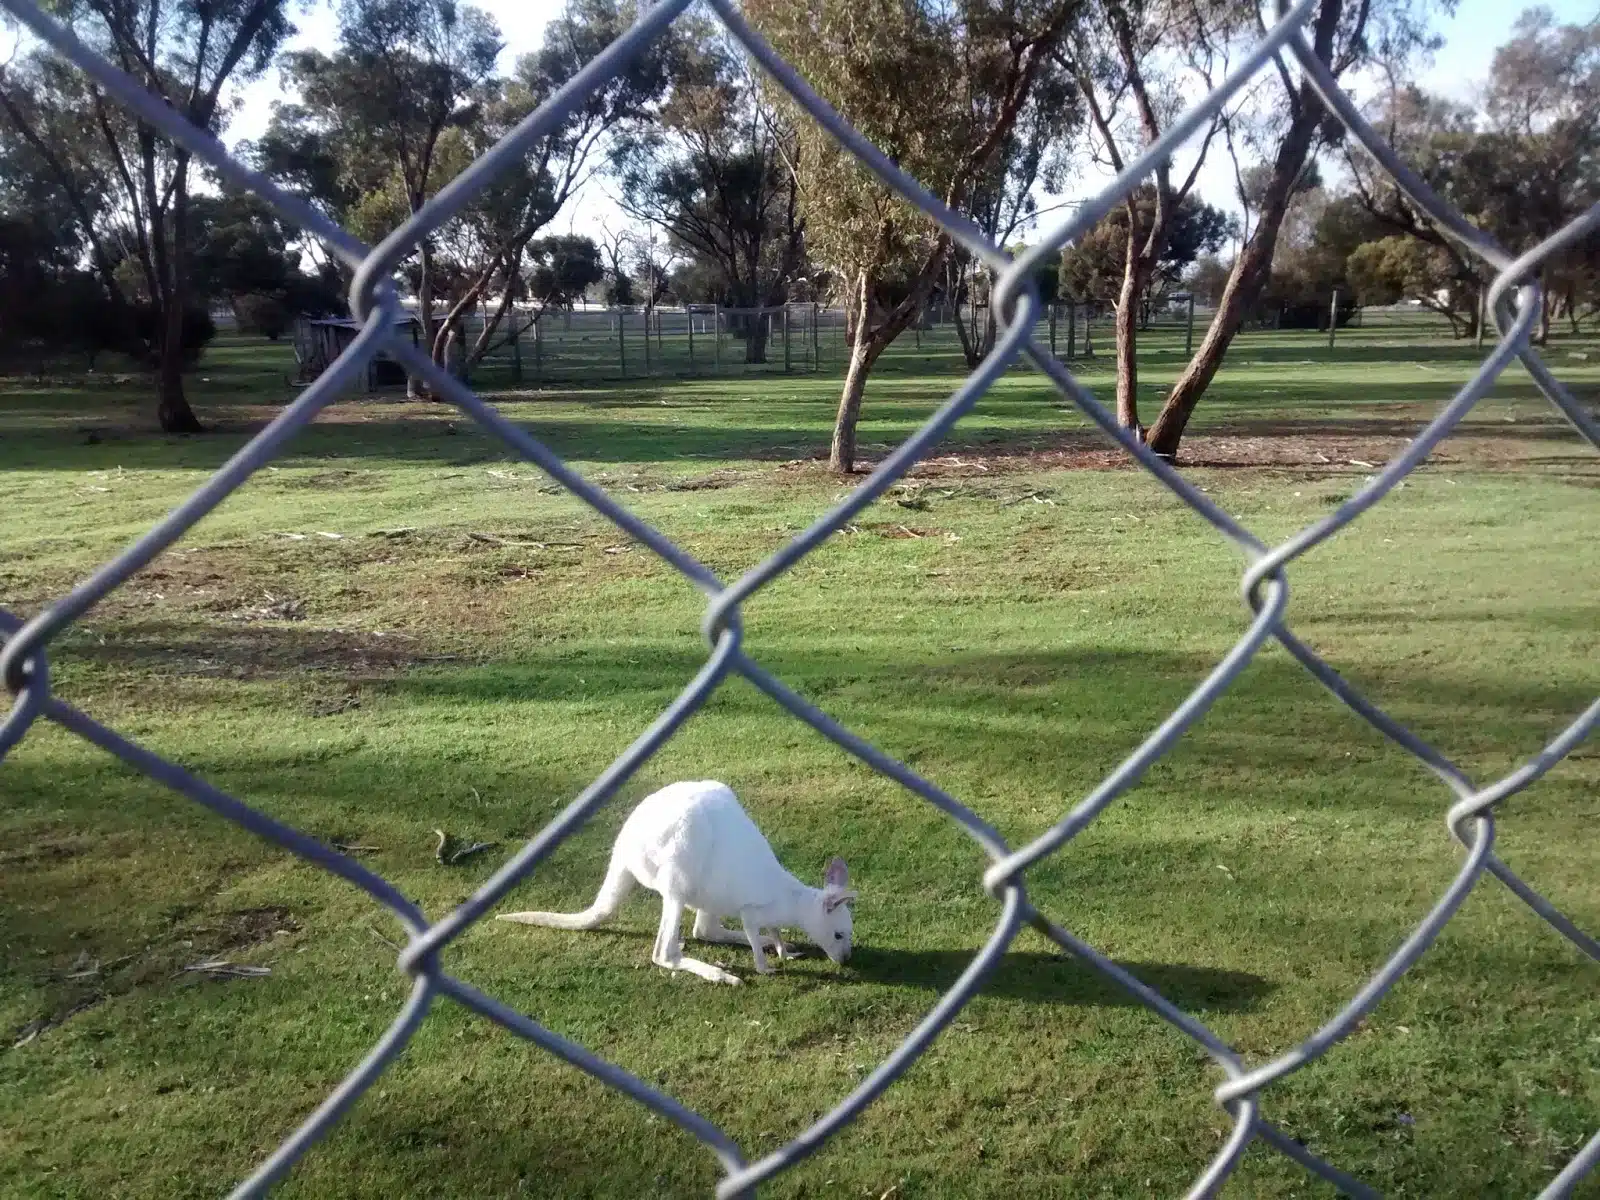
(1470, 38)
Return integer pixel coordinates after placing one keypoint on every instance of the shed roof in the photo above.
(350, 323)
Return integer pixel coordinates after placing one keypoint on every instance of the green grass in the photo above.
(1010, 622)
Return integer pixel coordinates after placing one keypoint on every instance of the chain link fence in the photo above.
(1470, 816)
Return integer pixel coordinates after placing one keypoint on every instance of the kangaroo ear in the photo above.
(834, 899)
(837, 875)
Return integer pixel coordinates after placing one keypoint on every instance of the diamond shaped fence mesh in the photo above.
(1514, 299)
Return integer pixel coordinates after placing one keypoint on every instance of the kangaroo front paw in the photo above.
(726, 977)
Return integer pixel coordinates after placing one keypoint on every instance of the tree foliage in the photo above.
(389, 106)
(1282, 126)
(561, 269)
(938, 88)
(716, 174)
(1520, 167)
(1093, 267)
(126, 190)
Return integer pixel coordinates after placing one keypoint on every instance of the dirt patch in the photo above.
(705, 483)
(246, 927)
(256, 651)
(346, 699)
(201, 949)
(337, 479)
(1317, 451)
(898, 532)
(45, 851)
(40, 1025)
(272, 608)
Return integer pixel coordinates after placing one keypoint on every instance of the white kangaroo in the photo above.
(695, 845)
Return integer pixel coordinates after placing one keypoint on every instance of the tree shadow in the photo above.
(665, 420)
(922, 713)
(961, 686)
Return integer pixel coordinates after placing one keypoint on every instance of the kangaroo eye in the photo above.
(838, 937)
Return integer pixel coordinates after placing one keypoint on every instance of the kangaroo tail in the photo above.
(618, 883)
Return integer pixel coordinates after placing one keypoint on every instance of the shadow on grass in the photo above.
(1048, 721)
(1042, 978)
(655, 421)
(1009, 683)
(1032, 976)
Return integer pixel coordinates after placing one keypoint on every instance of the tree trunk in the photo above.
(842, 456)
(454, 324)
(755, 342)
(991, 331)
(416, 389)
(870, 341)
(172, 406)
(492, 322)
(1128, 340)
(971, 351)
(1249, 275)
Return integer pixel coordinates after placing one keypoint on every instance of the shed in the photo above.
(320, 340)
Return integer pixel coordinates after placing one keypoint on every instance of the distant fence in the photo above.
(584, 346)
(599, 345)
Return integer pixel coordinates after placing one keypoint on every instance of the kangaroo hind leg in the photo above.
(668, 950)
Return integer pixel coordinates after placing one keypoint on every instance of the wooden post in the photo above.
(787, 358)
(1072, 329)
(716, 332)
(455, 359)
(1188, 337)
(538, 350)
(816, 336)
(1333, 318)
(622, 343)
(1053, 353)
(516, 349)
(647, 341)
(688, 315)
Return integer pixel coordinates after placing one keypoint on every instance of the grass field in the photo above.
(474, 647)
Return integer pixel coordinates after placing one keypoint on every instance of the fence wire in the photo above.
(1514, 297)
